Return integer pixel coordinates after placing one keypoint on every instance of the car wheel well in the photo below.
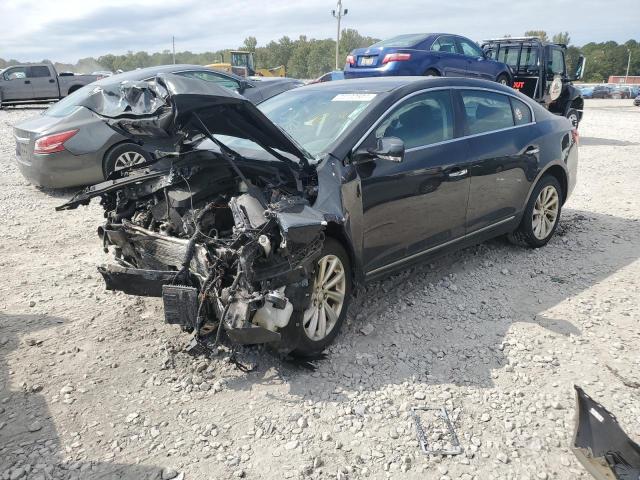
(111, 149)
(558, 172)
(74, 88)
(432, 71)
(337, 232)
(577, 103)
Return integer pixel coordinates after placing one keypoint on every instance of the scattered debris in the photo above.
(442, 447)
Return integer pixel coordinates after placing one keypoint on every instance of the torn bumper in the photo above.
(601, 445)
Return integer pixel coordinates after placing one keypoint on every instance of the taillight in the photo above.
(396, 57)
(53, 143)
(351, 60)
(575, 136)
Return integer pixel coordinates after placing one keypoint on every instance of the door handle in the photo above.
(532, 151)
(457, 173)
(27, 82)
(51, 80)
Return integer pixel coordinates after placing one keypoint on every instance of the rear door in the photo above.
(43, 83)
(450, 62)
(418, 204)
(15, 84)
(503, 150)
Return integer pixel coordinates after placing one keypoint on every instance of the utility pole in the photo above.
(338, 14)
(626, 78)
(173, 41)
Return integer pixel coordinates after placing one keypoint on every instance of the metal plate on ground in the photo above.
(435, 431)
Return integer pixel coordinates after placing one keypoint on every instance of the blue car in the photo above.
(437, 54)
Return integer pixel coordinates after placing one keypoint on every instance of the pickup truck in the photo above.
(38, 83)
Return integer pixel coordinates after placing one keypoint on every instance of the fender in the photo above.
(573, 95)
(544, 171)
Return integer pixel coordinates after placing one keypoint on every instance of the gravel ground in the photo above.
(94, 385)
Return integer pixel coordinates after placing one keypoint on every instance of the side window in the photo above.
(469, 48)
(444, 44)
(521, 112)
(421, 120)
(556, 62)
(38, 71)
(15, 73)
(221, 80)
(486, 111)
(509, 55)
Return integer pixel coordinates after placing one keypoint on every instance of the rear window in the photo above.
(521, 112)
(401, 41)
(486, 111)
(69, 103)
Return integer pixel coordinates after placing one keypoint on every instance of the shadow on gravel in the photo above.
(428, 331)
(609, 142)
(28, 434)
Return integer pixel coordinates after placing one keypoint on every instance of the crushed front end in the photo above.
(229, 242)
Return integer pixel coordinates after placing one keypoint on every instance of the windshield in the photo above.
(315, 118)
(408, 40)
(69, 103)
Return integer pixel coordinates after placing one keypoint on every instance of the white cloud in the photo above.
(70, 29)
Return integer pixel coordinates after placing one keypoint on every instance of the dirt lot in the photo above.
(94, 385)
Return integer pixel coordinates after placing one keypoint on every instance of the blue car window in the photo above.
(469, 48)
(444, 44)
(421, 120)
(486, 111)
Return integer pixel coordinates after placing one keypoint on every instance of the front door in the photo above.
(415, 205)
(44, 85)
(15, 84)
(450, 62)
(504, 156)
(477, 64)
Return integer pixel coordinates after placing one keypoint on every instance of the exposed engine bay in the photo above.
(225, 240)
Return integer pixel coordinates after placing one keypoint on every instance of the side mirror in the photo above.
(580, 68)
(242, 87)
(388, 148)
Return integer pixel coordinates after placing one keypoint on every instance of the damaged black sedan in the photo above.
(262, 221)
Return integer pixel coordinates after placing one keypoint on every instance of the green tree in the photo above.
(562, 37)
(249, 44)
(541, 34)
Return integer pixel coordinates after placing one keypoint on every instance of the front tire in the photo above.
(541, 216)
(123, 156)
(319, 324)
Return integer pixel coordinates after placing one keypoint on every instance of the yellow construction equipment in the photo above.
(243, 64)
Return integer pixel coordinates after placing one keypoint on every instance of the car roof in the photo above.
(144, 73)
(389, 84)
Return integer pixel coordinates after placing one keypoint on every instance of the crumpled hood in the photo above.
(168, 107)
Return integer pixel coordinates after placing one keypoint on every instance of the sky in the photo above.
(66, 30)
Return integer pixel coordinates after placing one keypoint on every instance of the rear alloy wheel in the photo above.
(330, 292)
(502, 79)
(574, 117)
(542, 214)
(123, 156)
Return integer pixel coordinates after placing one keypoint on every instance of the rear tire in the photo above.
(432, 73)
(503, 79)
(327, 301)
(122, 156)
(541, 216)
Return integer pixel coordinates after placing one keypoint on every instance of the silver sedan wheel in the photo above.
(327, 299)
(128, 159)
(545, 212)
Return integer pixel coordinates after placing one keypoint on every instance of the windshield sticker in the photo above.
(354, 97)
